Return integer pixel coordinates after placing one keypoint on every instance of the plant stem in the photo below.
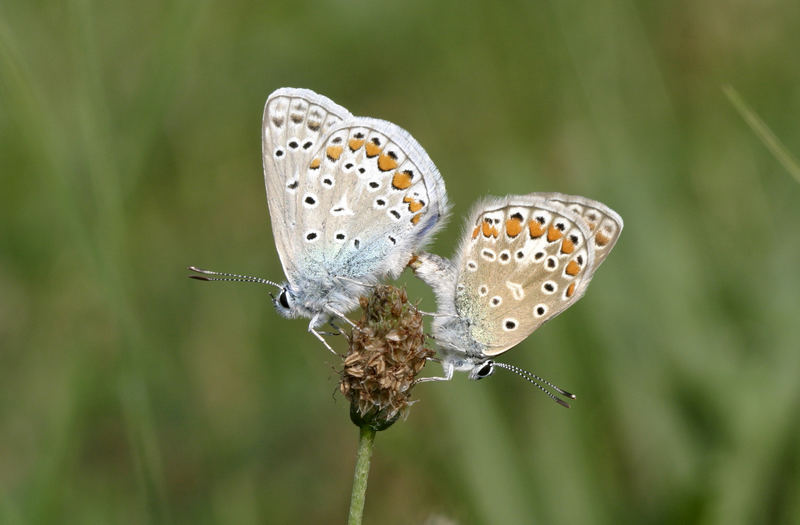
(762, 131)
(366, 442)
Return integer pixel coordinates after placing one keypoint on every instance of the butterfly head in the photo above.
(476, 367)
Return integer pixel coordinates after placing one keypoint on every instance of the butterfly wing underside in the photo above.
(604, 223)
(377, 197)
(524, 260)
(295, 122)
(358, 200)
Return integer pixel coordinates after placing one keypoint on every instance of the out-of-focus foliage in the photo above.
(129, 148)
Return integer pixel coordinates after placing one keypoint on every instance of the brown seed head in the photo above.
(386, 353)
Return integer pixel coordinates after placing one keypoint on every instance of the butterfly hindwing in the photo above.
(604, 223)
(524, 259)
(370, 195)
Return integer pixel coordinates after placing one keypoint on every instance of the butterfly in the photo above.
(523, 260)
(350, 199)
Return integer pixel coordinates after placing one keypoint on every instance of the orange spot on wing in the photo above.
(314, 164)
(513, 227)
(495, 232)
(401, 180)
(415, 219)
(486, 228)
(334, 152)
(553, 234)
(571, 290)
(413, 205)
(601, 239)
(476, 231)
(386, 163)
(372, 149)
(567, 246)
(355, 144)
(573, 268)
(536, 229)
(591, 225)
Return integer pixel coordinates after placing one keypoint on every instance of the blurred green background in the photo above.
(130, 148)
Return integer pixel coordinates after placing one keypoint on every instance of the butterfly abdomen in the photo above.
(440, 274)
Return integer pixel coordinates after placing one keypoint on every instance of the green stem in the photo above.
(365, 444)
(762, 131)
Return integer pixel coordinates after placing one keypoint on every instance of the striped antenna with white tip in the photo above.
(533, 378)
(234, 277)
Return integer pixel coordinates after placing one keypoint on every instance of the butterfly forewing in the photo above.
(523, 261)
(296, 122)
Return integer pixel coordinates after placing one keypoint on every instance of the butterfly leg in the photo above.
(341, 316)
(349, 280)
(448, 375)
(434, 314)
(313, 330)
(338, 331)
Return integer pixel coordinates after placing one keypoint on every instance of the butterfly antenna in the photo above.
(533, 378)
(222, 276)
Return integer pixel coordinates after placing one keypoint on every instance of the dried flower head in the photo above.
(386, 353)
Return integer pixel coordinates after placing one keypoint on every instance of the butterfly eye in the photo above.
(283, 299)
(485, 371)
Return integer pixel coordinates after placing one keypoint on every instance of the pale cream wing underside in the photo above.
(366, 198)
(524, 259)
(296, 121)
(604, 223)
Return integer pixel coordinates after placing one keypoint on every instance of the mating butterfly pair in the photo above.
(354, 199)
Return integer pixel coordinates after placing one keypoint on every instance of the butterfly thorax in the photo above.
(316, 298)
(456, 342)
(458, 350)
